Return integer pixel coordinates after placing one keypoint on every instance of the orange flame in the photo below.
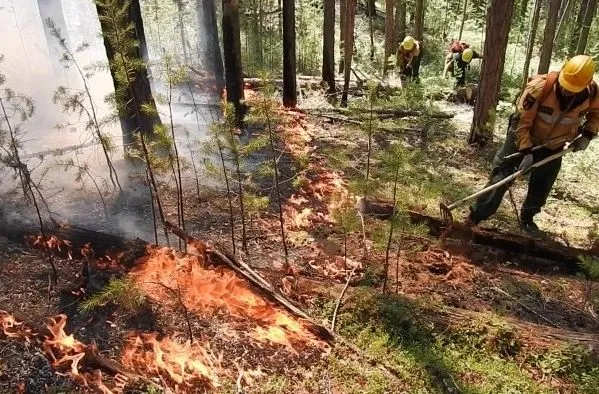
(205, 291)
(186, 364)
(13, 328)
(66, 352)
(51, 244)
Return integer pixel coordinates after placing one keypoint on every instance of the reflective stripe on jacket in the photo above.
(539, 123)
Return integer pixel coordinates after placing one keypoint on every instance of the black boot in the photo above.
(471, 220)
(530, 227)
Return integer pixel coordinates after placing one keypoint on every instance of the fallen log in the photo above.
(238, 266)
(310, 83)
(534, 332)
(19, 230)
(336, 118)
(244, 270)
(22, 329)
(387, 113)
(567, 257)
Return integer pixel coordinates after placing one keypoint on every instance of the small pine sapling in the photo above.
(194, 166)
(174, 76)
(124, 65)
(370, 128)
(197, 114)
(82, 171)
(81, 102)
(266, 111)
(16, 110)
(120, 291)
(346, 221)
(229, 134)
(392, 162)
(215, 145)
(590, 268)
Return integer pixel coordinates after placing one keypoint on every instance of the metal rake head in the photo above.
(446, 213)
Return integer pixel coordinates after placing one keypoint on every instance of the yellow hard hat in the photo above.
(577, 73)
(408, 43)
(467, 55)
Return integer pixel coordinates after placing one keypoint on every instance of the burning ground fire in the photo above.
(164, 272)
(172, 361)
(51, 244)
(188, 366)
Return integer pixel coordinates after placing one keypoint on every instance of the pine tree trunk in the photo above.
(419, 20)
(400, 23)
(232, 52)
(350, 18)
(532, 33)
(389, 32)
(211, 55)
(548, 34)
(464, 13)
(575, 36)
(586, 26)
(182, 30)
(342, 12)
(141, 91)
(328, 45)
(499, 19)
(289, 75)
(371, 8)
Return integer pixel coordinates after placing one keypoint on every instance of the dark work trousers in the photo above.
(539, 185)
(413, 72)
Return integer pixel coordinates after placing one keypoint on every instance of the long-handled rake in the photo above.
(446, 209)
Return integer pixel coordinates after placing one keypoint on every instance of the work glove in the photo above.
(526, 162)
(582, 142)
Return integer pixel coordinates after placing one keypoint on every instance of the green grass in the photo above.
(480, 356)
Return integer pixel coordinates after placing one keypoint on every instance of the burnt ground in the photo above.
(423, 330)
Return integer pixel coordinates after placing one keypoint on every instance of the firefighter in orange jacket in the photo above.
(408, 57)
(553, 110)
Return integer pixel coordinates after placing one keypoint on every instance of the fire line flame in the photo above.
(206, 290)
(13, 328)
(64, 351)
(187, 365)
(51, 244)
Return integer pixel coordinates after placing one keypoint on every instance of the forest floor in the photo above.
(458, 317)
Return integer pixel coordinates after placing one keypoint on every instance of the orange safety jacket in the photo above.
(541, 121)
(404, 57)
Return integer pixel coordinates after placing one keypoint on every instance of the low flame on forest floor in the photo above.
(64, 351)
(167, 276)
(51, 244)
(185, 366)
(188, 365)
